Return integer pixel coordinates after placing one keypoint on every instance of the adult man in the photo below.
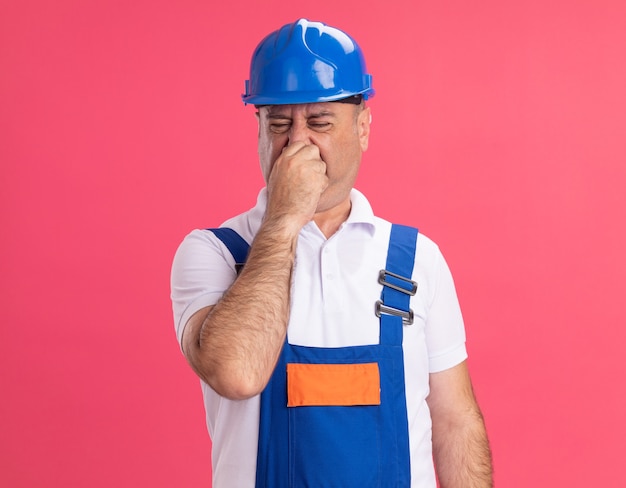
(324, 360)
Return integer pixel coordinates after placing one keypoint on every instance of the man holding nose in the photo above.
(329, 342)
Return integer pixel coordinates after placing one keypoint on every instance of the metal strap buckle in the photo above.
(407, 317)
(382, 279)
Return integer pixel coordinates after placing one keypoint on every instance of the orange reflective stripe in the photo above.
(332, 384)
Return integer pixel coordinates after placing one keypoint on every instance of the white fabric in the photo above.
(333, 293)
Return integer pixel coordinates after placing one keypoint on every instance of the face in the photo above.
(339, 130)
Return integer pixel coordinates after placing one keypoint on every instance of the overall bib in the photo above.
(336, 417)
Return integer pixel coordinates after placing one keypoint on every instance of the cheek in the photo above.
(263, 150)
(269, 148)
(345, 153)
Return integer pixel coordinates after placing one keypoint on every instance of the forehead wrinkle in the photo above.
(322, 113)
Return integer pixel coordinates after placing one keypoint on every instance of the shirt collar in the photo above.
(360, 214)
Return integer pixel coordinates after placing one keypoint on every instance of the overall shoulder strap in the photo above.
(401, 253)
(236, 244)
(398, 287)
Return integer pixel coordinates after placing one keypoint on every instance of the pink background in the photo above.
(499, 129)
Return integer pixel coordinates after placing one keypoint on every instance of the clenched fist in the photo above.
(296, 182)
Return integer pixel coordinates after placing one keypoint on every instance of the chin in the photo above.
(328, 202)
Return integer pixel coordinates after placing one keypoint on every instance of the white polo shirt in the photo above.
(334, 289)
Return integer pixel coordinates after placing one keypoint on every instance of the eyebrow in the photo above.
(279, 116)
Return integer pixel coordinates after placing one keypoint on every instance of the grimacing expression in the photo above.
(339, 130)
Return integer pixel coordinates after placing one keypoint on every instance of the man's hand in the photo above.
(234, 345)
(297, 181)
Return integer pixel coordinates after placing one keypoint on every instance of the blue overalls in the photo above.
(341, 435)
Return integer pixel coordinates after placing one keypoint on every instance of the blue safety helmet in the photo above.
(306, 62)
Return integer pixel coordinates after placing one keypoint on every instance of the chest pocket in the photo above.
(332, 384)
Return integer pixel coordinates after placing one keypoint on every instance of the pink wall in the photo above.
(499, 130)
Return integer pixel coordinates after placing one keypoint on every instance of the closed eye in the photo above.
(280, 127)
(319, 126)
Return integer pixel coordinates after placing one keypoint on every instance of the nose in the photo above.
(299, 132)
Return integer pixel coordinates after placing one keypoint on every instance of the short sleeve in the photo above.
(445, 330)
(202, 271)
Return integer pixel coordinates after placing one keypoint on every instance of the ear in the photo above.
(258, 122)
(363, 127)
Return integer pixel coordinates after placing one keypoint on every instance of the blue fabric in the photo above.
(400, 260)
(236, 244)
(337, 446)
